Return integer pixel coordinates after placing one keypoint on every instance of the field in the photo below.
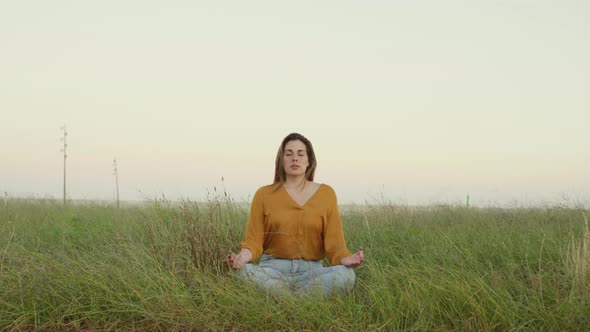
(159, 266)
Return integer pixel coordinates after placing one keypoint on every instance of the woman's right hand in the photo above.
(238, 261)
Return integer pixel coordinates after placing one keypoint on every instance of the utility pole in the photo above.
(65, 156)
(116, 174)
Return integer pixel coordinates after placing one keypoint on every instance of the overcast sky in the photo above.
(419, 101)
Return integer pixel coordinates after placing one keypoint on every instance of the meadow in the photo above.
(160, 266)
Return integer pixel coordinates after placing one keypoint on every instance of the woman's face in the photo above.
(295, 159)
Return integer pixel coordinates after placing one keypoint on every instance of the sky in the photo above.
(413, 102)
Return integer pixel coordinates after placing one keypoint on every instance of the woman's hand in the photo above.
(355, 260)
(238, 261)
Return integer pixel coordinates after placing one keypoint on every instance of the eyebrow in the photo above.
(290, 150)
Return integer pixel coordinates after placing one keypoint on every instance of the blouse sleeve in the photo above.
(254, 237)
(334, 243)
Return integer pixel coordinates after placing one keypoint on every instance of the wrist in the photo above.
(246, 255)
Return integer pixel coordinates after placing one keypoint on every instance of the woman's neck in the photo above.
(295, 182)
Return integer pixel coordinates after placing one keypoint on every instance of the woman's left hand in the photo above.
(355, 260)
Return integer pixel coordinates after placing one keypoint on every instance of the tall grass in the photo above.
(160, 266)
(578, 261)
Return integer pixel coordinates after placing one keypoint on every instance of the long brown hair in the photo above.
(280, 175)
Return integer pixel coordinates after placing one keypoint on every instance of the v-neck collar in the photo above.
(309, 199)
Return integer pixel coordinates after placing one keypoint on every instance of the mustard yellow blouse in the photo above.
(280, 227)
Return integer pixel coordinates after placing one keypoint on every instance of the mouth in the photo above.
(295, 166)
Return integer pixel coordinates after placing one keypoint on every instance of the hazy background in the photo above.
(421, 101)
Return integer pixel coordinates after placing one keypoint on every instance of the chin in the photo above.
(295, 173)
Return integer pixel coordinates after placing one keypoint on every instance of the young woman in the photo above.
(294, 223)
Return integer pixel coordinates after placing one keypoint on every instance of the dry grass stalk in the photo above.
(579, 260)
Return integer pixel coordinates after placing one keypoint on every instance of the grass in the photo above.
(159, 266)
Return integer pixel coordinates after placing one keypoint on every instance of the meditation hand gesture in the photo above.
(238, 261)
(355, 260)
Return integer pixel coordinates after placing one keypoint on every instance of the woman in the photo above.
(294, 223)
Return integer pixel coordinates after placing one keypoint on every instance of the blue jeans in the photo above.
(298, 275)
